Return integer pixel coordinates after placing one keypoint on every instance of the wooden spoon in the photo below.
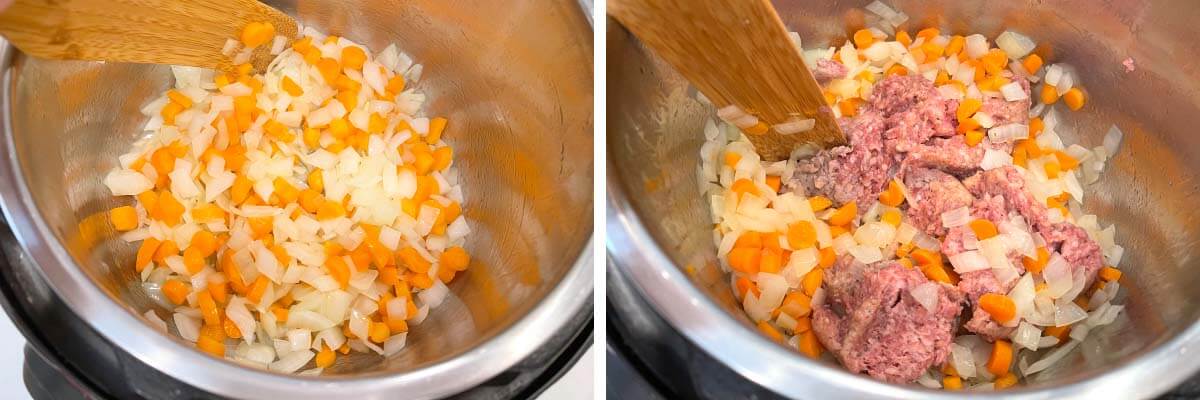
(737, 52)
(175, 32)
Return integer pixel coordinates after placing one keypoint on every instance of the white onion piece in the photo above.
(928, 381)
(926, 294)
(1112, 140)
(1022, 295)
(241, 317)
(1008, 132)
(865, 253)
(1027, 336)
(395, 343)
(1016, 45)
(793, 127)
(1057, 275)
(1013, 92)
(962, 360)
(188, 327)
(124, 182)
(969, 261)
(1067, 312)
(730, 113)
(154, 320)
(976, 45)
(292, 361)
(956, 217)
(993, 159)
(434, 296)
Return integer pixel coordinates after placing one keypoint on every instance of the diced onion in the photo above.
(969, 261)
(292, 361)
(1008, 132)
(1013, 92)
(956, 217)
(993, 159)
(926, 294)
(1014, 44)
(866, 254)
(188, 327)
(793, 127)
(1027, 336)
(1112, 140)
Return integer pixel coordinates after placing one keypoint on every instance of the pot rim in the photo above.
(636, 254)
(177, 359)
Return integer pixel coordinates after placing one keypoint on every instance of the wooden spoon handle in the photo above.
(141, 31)
(736, 52)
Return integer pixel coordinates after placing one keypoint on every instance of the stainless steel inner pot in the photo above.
(515, 80)
(659, 226)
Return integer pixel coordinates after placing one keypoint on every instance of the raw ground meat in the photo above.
(975, 284)
(951, 155)
(827, 70)
(1074, 244)
(1008, 183)
(864, 164)
(873, 325)
(933, 193)
(1008, 112)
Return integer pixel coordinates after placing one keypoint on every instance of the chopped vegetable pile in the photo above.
(790, 250)
(296, 214)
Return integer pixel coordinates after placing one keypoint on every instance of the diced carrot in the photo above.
(906, 262)
(145, 253)
(455, 258)
(1074, 99)
(983, 229)
(329, 69)
(123, 218)
(863, 38)
(1049, 94)
(257, 33)
(316, 180)
(956, 44)
(208, 308)
(353, 57)
(437, 125)
(413, 260)
(288, 193)
(258, 288)
(891, 217)
(1052, 169)
(760, 128)
(176, 291)
(967, 125)
(796, 304)
(1110, 274)
(166, 249)
(774, 182)
(809, 345)
(932, 50)
(1032, 63)
(218, 288)
(325, 357)
(952, 383)
(974, 137)
(1001, 307)
(819, 203)
(744, 285)
(233, 273)
(1059, 332)
(281, 314)
(896, 70)
(1036, 265)
(240, 190)
(925, 257)
(893, 196)
(205, 242)
(745, 260)
(210, 346)
(837, 230)
(1005, 381)
(170, 111)
(193, 260)
(742, 186)
(928, 33)
(812, 281)
(771, 260)
(231, 329)
(844, 215)
(395, 85)
(1036, 125)
(801, 235)
(937, 272)
(168, 209)
(904, 38)
(1065, 161)
(828, 257)
(770, 331)
(731, 159)
(338, 270)
(207, 213)
(330, 210)
(1001, 358)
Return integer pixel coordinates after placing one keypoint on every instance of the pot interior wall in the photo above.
(655, 133)
(518, 96)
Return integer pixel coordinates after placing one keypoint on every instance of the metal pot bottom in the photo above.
(66, 359)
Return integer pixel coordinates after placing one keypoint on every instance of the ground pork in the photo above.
(827, 70)
(1008, 112)
(873, 325)
(1074, 244)
(933, 192)
(1008, 183)
(864, 163)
